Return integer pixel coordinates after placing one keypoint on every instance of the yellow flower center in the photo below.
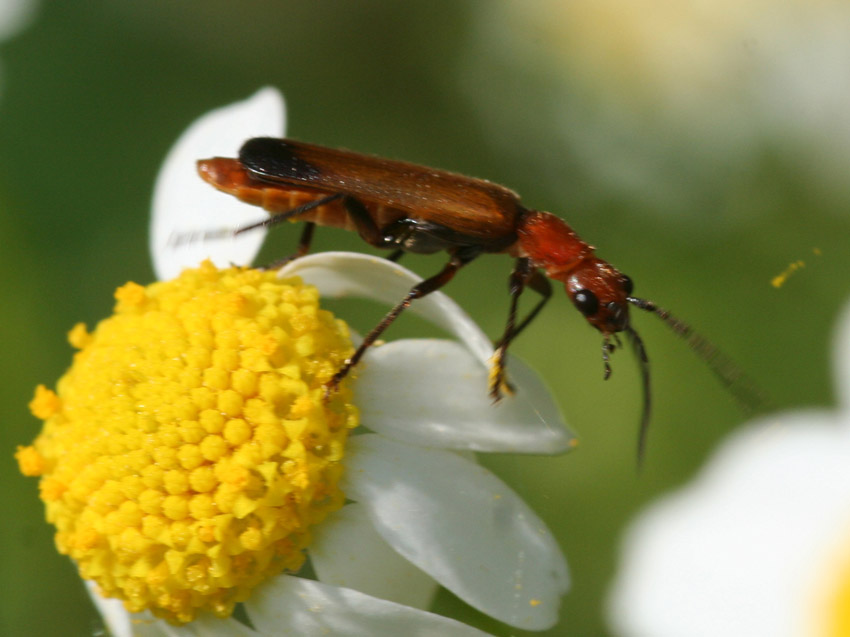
(832, 594)
(839, 617)
(189, 449)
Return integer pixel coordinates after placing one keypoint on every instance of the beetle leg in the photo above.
(404, 234)
(276, 219)
(363, 221)
(306, 234)
(607, 348)
(302, 249)
(517, 282)
(540, 284)
(523, 275)
(459, 258)
(305, 241)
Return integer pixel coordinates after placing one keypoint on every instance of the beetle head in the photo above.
(601, 293)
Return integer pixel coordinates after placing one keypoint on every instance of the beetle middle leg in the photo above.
(368, 230)
(523, 275)
(459, 258)
(405, 234)
(395, 255)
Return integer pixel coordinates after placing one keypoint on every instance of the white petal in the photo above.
(206, 626)
(458, 522)
(841, 350)
(346, 551)
(351, 274)
(114, 615)
(184, 205)
(433, 393)
(288, 605)
(742, 551)
(151, 628)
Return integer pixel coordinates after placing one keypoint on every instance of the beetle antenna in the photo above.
(643, 361)
(190, 237)
(734, 380)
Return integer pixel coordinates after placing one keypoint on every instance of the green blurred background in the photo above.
(700, 162)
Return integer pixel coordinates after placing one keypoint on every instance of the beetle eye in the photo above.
(586, 302)
(628, 285)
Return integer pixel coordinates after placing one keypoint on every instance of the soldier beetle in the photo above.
(405, 207)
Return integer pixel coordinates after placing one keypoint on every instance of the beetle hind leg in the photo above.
(302, 249)
(459, 258)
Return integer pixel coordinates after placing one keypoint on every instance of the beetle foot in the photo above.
(331, 387)
(499, 384)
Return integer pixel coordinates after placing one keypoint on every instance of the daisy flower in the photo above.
(189, 461)
(758, 543)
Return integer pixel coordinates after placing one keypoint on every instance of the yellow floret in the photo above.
(79, 336)
(45, 403)
(185, 454)
(30, 461)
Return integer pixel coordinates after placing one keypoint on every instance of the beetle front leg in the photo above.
(459, 258)
(523, 275)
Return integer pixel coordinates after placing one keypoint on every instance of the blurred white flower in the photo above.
(15, 15)
(758, 543)
(422, 514)
(659, 98)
